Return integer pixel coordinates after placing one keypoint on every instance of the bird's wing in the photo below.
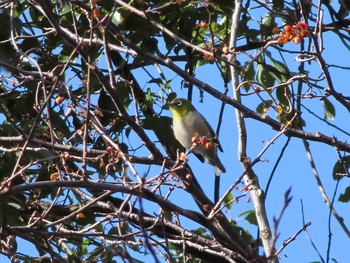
(199, 156)
(214, 137)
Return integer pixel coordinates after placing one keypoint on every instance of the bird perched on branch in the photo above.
(194, 132)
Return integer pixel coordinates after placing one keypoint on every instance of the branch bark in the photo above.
(250, 178)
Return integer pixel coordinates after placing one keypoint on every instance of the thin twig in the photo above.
(292, 238)
(239, 179)
(277, 221)
(307, 233)
(322, 189)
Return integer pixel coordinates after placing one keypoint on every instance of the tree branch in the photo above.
(250, 178)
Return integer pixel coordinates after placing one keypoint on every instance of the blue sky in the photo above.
(294, 170)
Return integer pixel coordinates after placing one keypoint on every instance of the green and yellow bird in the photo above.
(194, 132)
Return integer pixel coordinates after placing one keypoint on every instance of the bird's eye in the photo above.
(179, 103)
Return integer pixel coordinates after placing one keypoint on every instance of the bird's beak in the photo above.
(167, 105)
(170, 101)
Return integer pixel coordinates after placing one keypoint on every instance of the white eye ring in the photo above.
(179, 103)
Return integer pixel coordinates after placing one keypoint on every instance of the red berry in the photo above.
(288, 28)
(109, 148)
(302, 25)
(66, 156)
(257, 90)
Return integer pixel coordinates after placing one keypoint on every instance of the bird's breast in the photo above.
(188, 126)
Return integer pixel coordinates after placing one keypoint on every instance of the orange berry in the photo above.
(208, 56)
(297, 39)
(80, 216)
(279, 109)
(96, 13)
(275, 30)
(59, 99)
(225, 50)
(195, 139)
(203, 140)
(202, 25)
(209, 145)
(289, 123)
(266, 109)
(281, 40)
(54, 176)
(289, 35)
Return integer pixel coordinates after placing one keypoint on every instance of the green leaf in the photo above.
(345, 197)
(169, 41)
(274, 73)
(283, 96)
(341, 168)
(262, 106)
(249, 216)
(168, 215)
(7, 164)
(65, 10)
(329, 110)
(343, 10)
(248, 74)
(149, 45)
(229, 200)
(277, 70)
(12, 212)
(278, 5)
(267, 24)
(117, 18)
(156, 80)
(281, 69)
(225, 72)
(201, 231)
(267, 20)
(127, 131)
(265, 76)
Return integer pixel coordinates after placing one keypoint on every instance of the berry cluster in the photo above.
(203, 140)
(202, 25)
(293, 33)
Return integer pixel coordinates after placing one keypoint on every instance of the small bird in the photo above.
(194, 132)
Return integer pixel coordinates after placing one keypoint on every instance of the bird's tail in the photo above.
(219, 167)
